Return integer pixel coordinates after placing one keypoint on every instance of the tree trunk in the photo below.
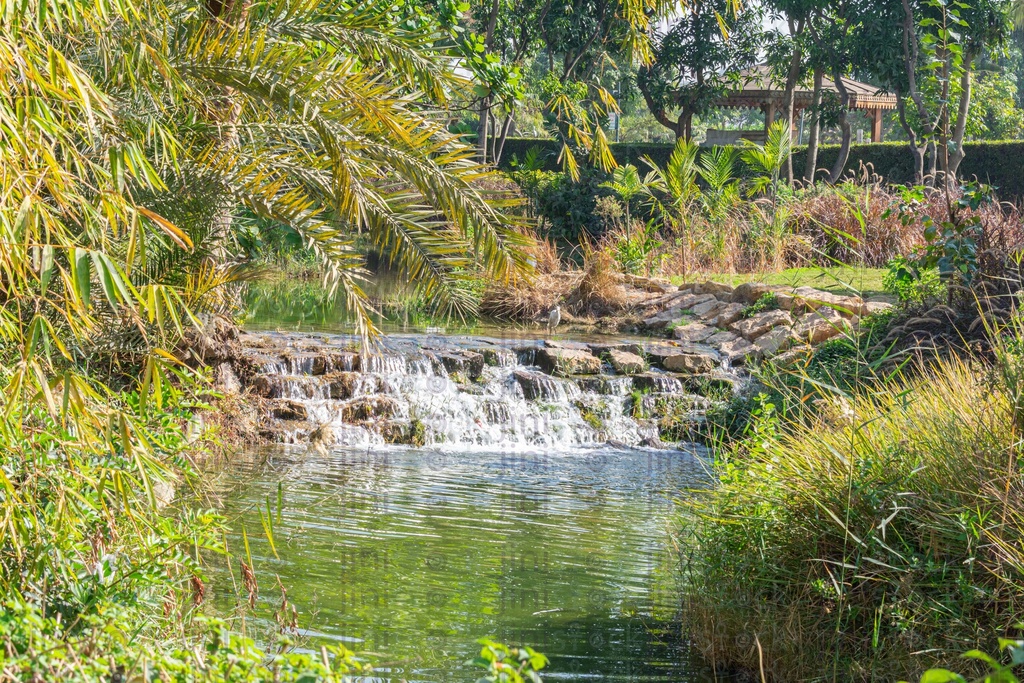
(915, 149)
(844, 124)
(658, 112)
(961, 122)
(791, 81)
(811, 166)
(483, 132)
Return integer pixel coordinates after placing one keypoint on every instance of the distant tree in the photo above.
(993, 113)
(698, 58)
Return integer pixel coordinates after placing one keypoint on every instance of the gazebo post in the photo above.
(876, 125)
(769, 116)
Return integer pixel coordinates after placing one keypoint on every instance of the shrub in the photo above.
(886, 532)
(910, 286)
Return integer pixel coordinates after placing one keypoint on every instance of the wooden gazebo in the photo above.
(759, 91)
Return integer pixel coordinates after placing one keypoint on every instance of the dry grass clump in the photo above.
(530, 299)
(872, 545)
(599, 291)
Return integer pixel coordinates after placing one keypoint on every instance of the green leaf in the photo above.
(941, 676)
(82, 275)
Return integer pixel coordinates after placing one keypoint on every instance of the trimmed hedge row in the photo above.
(997, 163)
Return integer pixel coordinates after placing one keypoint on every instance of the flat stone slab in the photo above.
(692, 363)
(753, 327)
(694, 332)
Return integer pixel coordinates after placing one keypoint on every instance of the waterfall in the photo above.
(458, 393)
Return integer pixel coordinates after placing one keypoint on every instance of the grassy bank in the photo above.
(862, 281)
(877, 538)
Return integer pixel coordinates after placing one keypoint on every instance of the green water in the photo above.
(409, 556)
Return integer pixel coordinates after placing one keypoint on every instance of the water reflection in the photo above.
(416, 554)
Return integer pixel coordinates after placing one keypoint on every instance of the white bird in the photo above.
(554, 317)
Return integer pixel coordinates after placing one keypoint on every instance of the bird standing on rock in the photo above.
(554, 317)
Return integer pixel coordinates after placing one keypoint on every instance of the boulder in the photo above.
(626, 363)
(777, 340)
(568, 362)
(725, 316)
(749, 292)
(756, 325)
(821, 325)
(694, 332)
(369, 408)
(655, 353)
(692, 362)
(287, 409)
(740, 351)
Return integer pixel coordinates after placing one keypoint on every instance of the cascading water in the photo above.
(456, 392)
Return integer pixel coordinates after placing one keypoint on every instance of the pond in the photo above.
(414, 554)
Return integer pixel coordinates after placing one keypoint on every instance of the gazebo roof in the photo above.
(757, 89)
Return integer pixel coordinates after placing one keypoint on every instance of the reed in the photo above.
(881, 535)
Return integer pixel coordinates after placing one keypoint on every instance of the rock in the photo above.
(287, 409)
(538, 385)
(692, 362)
(601, 349)
(739, 351)
(568, 362)
(369, 408)
(626, 363)
(872, 307)
(226, 380)
(342, 386)
(712, 287)
(811, 299)
(694, 332)
(777, 340)
(720, 338)
(262, 386)
(605, 385)
(755, 326)
(566, 344)
(695, 299)
(467, 363)
(726, 315)
(655, 353)
(706, 308)
(792, 356)
(820, 326)
(499, 356)
(658, 383)
(749, 292)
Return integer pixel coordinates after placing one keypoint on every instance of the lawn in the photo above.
(866, 282)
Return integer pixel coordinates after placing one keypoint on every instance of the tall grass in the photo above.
(878, 538)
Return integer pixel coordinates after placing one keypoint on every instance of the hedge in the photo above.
(997, 163)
